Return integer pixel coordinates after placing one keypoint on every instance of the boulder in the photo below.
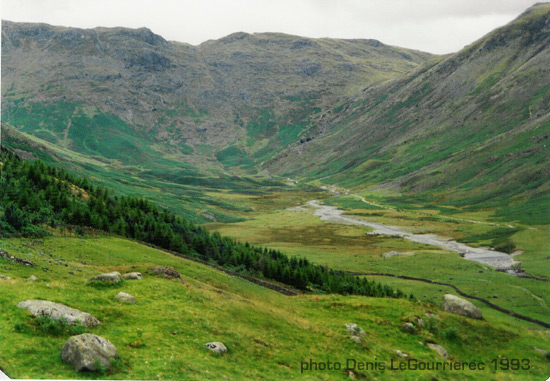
(132, 276)
(439, 349)
(88, 352)
(354, 329)
(167, 271)
(459, 306)
(216, 347)
(114, 277)
(58, 311)
(125, 298)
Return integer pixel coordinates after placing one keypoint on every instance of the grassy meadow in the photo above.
(293, 228)
(269, 335)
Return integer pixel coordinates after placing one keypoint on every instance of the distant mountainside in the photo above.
(471, 128)
(467, 129)
(229, 101)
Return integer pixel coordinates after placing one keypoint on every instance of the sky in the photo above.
(435, 26)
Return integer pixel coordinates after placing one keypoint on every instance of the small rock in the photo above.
(401, 354)
(356, 339)
(216, 347)
(439, 349)
(32, 278)
(132, 276)
(126, 298)
(459, 306)
(544, 353)
(354, 329)
(4, 277)
(85, 352)
(58, 311)
(114, 277)
(408, 327)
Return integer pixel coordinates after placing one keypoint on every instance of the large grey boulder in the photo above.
(125, 298)
(216, 347)
(132, 276)
(114, 277)
(88, 352)
(58, 311)
(459, 306)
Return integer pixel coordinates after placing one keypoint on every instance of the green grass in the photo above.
(235, 157)
(298, 232)
(268, 335)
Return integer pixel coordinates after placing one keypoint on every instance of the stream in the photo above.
(501, 261)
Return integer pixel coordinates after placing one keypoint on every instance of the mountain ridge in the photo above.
(384, 118)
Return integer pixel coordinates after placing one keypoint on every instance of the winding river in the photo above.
(501, 261)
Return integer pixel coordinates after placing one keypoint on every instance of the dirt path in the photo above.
(501, 261)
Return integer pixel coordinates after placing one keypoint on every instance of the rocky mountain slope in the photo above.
(71, 86)
(464, 130)
(471, 128)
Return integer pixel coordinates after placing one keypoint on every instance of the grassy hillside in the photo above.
(467, 131)
(268, 335)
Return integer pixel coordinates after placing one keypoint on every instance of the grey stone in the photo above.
(32, 278)
(125, 298)
(58, 311)
(401, 354)
(88, 352)
(408, 327)
(354, 329)
(357, 339)
(216, 347)
(459, 306)
(114, 277)
(439, 349)
(4, 277)
(132, 276)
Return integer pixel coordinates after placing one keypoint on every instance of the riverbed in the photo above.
(499, 260)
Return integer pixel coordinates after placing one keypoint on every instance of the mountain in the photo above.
(467, 129)
(129, 94)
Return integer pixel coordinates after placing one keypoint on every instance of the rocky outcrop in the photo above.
(167, 271)
(4, 254)
(58, 311)
(216, 347)
(114, 277)
(459, 306)
(125, 298)
(88, 352)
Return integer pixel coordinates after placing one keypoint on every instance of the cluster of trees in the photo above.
(34, 196)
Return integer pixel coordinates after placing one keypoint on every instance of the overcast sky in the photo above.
(435, 26)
